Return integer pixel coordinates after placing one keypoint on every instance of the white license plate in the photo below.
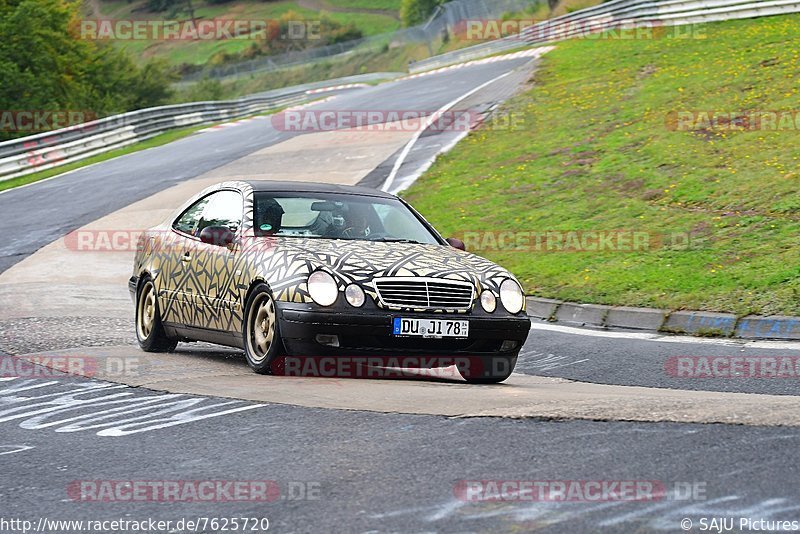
(430, 327)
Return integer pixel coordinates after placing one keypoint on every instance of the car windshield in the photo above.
(337, 216)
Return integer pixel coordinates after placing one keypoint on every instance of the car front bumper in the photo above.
(308, 330)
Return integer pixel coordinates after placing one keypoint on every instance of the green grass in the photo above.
(368, 23)
(200, 52)
(386, 5)
(595, 153)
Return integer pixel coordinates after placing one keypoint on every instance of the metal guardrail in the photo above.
(20, 157)
(613, 15)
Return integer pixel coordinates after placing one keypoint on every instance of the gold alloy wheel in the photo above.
(147, 311)
(261, 323)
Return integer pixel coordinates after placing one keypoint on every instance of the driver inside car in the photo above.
(355, 224)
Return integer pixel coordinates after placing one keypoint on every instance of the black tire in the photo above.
(487, 370)
(263, 347)
(149, 331)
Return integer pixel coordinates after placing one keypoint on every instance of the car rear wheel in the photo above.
(487, 371)
(262, 342)
(149, 331)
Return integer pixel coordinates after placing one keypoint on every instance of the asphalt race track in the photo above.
(396, 473)
(350, 455)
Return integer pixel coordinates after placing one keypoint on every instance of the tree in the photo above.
(46, 66)
(413, 12)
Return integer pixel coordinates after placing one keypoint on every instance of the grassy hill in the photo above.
(599, 151)
(369, 17)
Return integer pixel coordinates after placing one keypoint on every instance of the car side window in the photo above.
(224, 208)
(187, 222)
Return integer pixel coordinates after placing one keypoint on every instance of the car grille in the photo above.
(424, 293)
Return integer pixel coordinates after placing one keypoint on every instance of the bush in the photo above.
(205, 89)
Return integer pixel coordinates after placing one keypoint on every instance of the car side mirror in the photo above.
(220, 236)
(456, 243)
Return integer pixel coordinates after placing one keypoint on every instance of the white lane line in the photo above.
(430, 120)
(533, 52)
(405, 181)
(667, 338)
(336, 88)
(15, 449)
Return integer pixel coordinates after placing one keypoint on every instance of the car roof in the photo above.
(279, 186)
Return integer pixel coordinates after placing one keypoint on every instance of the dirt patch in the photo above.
(771, 62)
(652, 194)
(646, 72)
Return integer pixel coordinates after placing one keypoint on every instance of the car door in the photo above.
(215, 291)
(175, 278)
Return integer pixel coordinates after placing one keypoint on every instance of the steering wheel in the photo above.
(351, 232)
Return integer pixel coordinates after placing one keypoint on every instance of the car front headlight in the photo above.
(354, 295)
(322, 288)
(488, 301)
(511, 296)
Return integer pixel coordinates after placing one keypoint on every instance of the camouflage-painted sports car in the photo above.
(307, 270)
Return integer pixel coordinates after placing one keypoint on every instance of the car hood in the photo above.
(361, 261)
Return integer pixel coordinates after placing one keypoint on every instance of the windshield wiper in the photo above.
(396, 240)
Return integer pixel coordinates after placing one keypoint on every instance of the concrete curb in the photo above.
(582, 314)
(698, 323)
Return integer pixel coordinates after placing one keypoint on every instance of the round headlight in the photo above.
(322, 288)
(354, 295)
(511, 296)
(488, 301)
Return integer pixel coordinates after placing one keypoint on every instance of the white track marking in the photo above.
(14, 449)
(105, 408)
(409, 179)
(337, 88)
(430, 120)
(666, 338)
(533, 52)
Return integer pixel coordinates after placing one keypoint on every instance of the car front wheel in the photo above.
(149, 330)
(262, 342)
